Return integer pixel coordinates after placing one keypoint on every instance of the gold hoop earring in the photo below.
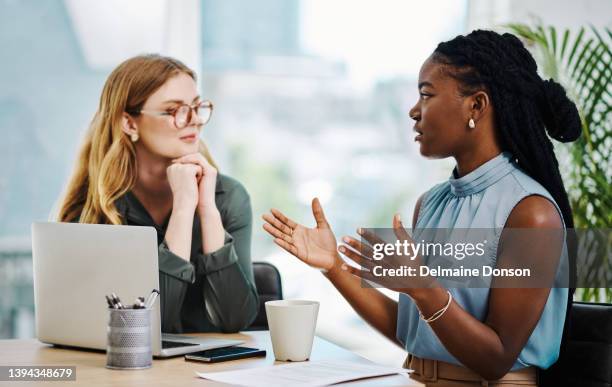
(471, 123)
(134, 137)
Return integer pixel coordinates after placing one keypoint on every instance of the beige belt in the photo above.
(427, 370)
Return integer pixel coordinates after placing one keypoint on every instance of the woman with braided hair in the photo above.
(483, 103)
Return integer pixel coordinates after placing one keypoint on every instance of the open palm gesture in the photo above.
(315, 246)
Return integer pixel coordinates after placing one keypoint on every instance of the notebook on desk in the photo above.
(76, 265)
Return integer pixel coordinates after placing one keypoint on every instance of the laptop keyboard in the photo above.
(175, 344)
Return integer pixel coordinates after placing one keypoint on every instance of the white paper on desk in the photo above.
(308, 373)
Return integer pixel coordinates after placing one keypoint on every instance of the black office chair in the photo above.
(586, 355)
(269, 288)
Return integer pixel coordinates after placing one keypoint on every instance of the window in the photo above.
(311, 99)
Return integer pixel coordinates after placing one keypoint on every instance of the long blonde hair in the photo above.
(106, 166)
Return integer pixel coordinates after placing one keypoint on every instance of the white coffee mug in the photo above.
(292, 327)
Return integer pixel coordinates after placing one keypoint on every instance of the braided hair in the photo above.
(526, 108)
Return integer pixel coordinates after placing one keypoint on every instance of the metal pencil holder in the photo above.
(129, 339)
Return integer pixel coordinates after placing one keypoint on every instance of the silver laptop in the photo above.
(76, 265)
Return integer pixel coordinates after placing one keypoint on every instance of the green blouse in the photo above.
(212, 292)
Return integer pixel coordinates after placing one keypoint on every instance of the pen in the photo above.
(118, 304)
(152, 298)
(110, 302)
(139, 304)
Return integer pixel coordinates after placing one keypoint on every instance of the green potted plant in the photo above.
(581, 61)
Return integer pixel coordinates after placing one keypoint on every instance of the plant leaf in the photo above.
(566, 35)
(577, 43)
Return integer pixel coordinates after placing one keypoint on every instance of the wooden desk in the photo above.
(91, 371)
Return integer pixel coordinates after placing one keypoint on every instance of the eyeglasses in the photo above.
(183, 113)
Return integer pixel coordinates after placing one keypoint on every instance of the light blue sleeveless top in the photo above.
(483, 198)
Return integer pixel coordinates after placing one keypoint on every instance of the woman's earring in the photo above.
(134, 137)
(471, 123)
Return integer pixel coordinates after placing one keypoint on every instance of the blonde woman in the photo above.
(143, 164)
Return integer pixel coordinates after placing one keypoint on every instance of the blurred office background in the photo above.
(311, 99)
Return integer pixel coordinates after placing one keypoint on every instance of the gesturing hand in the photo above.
(314, 246)
(376, 270)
